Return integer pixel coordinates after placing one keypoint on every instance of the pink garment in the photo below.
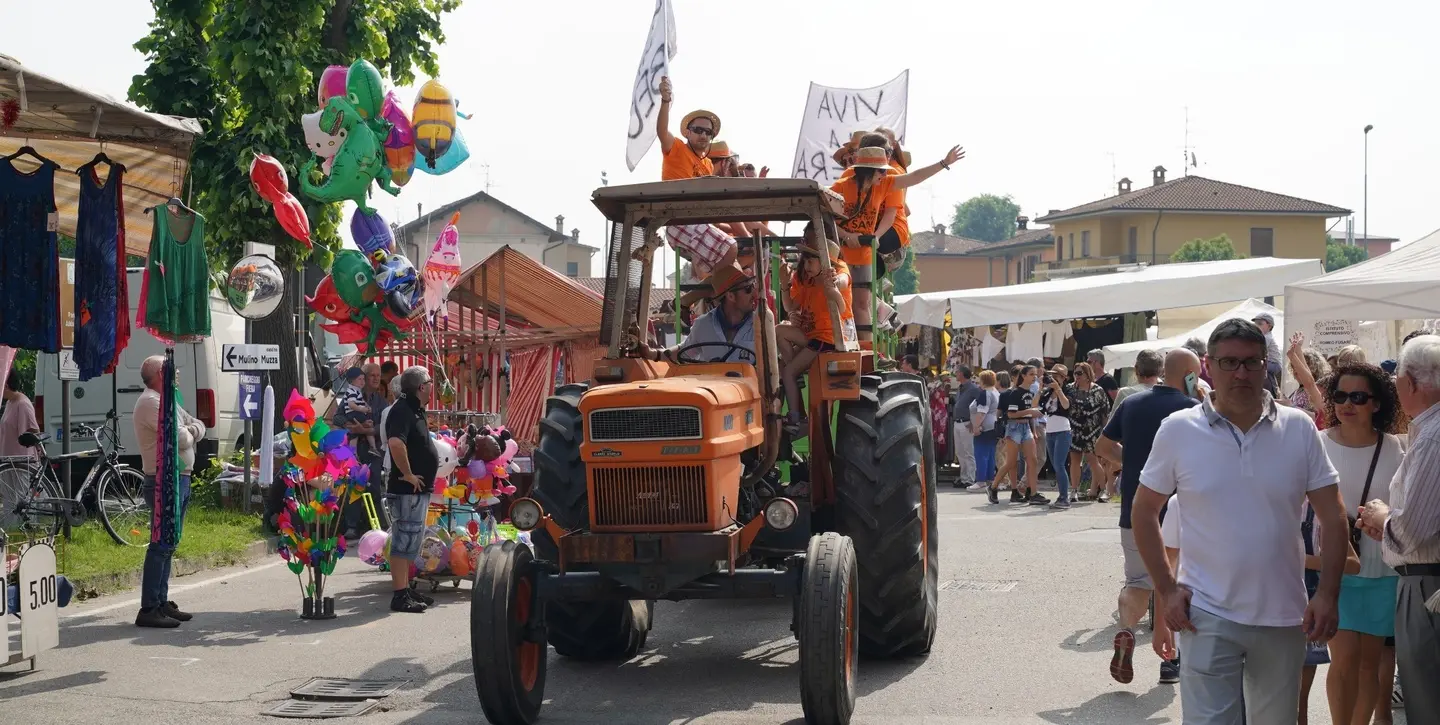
(7, 358)
(19, 417)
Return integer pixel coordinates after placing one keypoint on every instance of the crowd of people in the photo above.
(1272, 533)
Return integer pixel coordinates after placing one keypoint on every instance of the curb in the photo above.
(90, 587)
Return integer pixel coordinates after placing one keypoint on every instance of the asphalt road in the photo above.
(1027, 615)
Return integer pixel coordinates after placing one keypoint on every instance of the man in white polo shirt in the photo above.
(1243, 466)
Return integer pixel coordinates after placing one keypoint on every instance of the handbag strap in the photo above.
(1375, 459)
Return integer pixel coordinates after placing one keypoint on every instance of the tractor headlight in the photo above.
(780, 513)
(526, 513)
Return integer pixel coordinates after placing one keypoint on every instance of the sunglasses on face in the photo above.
(703, 131)
(1253, 364)
(1359, 397)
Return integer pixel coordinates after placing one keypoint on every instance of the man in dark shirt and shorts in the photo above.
(414, 464)
(1127, 439)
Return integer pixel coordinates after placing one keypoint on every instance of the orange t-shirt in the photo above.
(902, 217)
(680, 162)
(883, 195)
(813, 315)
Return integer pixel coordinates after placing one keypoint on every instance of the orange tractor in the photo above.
(662, 481)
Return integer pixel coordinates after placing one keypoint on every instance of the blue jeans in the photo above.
(155, 582)
(1057, 446)
(985, 459)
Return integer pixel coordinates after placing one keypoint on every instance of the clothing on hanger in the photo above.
(989, 348)
(1056, 333)
(175, 298)
(29, 258)
(1025, 341)
(102, 297)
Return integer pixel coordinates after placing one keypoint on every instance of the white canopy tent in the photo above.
(1141, 288)
(1123, 355)
(1401, 285)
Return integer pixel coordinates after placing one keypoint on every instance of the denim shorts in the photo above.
(1019, 432)
(407, 523)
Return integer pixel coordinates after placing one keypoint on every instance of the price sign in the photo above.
(39, 605)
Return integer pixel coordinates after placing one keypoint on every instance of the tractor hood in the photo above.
(705, 392)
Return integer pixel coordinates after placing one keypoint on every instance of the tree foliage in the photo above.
(1339, 255)
(907, 277)
(247, 71)
(988, 218)
(1213, 249)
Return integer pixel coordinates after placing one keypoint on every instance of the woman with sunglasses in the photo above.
(1360, 441)
(1089, 409)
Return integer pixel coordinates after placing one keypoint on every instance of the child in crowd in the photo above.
(809, 330)
(352, 404)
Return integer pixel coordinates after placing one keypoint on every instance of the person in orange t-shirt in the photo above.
(809, 329)
(873, 199)
(688, 159)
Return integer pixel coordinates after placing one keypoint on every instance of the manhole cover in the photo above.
(320, 708)
(970, 585)
(331, 688)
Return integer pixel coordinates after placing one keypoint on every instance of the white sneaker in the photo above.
(977, 486)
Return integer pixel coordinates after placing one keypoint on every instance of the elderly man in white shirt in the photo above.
(1243, 468)
(1409, 529)
(156, 609)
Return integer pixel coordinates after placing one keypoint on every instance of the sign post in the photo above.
(249, 412)
(247, 358)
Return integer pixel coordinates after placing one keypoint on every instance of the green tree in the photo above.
(987, 217)
(1339, 255)
(907, 278)
(247, 71)
(1213, 249)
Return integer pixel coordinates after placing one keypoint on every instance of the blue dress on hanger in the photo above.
(101, 304)
(29, 259)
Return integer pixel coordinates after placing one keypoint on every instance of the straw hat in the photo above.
(810, 250)
(721, 281)
(849, 146)
(691, 116)
(871, 157)
(718, 150)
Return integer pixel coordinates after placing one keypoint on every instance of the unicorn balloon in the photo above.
(442, 267)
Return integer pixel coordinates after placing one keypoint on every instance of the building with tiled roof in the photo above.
(1148, 225)
(947, 262)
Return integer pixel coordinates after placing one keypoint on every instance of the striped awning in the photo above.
(70, 125)
(534, 295)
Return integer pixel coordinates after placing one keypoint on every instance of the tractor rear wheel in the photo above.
(885, 475)
(592, 630)
(508, 658)
(827, 629)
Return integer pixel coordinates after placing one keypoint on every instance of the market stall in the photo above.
(1401, 285)
(1123, 355)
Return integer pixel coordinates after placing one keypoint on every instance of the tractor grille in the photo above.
(650, 496)
(644, 424)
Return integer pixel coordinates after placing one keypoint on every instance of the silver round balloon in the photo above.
(255, 287)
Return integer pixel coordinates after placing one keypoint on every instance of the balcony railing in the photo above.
(1110, 261)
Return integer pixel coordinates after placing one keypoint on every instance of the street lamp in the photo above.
(1365, 230)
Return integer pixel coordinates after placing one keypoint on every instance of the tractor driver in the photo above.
(732, 320)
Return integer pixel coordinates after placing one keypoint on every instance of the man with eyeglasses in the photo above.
(732, 321)
(414, 464)
(1242, 466)
(687, 159)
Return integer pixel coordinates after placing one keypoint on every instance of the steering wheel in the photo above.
(744, 351)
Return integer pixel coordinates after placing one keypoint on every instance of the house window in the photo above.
(1262, 242)
(1132, 245)
(1060, 248)
(572, 269)
(1085, 243)
(1072, 245)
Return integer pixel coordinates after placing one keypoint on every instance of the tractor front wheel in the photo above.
(827, 630)
(507, 651)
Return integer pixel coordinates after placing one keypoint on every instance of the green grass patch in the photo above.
(96, 564)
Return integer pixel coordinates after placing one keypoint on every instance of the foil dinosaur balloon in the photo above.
(359, 161)
(353, 282)
(354, 278)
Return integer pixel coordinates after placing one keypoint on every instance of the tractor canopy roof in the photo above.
(715, 199)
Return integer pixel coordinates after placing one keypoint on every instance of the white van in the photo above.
(206, 393)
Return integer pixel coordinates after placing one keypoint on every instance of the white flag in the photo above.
(645, 93)
(832, 114)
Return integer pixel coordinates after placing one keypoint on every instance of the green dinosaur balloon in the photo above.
(354, 281)
(365, 88)
(360, 160)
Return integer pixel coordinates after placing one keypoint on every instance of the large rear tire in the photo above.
(508, 660)
(593, 630)
(827, 630)
(885, 477)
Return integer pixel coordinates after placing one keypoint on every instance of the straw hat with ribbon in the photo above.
(691, 116)
(722, 280)
(719, 150)
(849, 147)
(871, 157)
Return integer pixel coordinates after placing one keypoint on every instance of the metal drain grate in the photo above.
(332, 688)
(320, 708)
(970, 585)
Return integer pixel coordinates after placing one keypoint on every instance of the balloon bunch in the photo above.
(268, 178)
(321, 476)
(348, 133)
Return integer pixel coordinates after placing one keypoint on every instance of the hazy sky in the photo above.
(1042, 94)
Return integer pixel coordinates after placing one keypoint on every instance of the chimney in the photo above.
(1124, 185)
(560, 223)
(1052, 211)
(940, 229)
(1021, 222)
(1159, 176)
(575, 234)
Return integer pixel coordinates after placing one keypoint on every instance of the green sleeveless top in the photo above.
(177, 279)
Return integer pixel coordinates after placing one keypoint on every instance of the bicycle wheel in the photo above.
(123, 509)
(28, 504)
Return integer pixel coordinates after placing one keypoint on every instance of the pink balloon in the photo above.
(332, 83)
(372, 547)
(402, 134)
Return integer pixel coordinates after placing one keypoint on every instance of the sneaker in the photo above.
(977, 487)
(1103, 497)
(155, 618)
(993, 494)
(1170, 672)
(1122, 668)
(423, 599)
(170, 610)
(1038, 499)
(399, 602)
(1073, 499)
(1017, 497)
(1061, 504)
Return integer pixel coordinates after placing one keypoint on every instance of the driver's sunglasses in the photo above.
(748, 289)
(1253, 364)
(703, 131)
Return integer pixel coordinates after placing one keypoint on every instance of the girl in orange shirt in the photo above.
(810, 330)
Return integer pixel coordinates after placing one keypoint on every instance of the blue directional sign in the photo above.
(250, 397)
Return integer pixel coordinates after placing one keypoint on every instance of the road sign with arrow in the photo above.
(250, 396)
(237, 358)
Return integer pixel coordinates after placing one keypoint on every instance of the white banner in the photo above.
(832, 114)
(1328, 336)
(645, 92)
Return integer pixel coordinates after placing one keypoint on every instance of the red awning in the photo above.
(534, 296)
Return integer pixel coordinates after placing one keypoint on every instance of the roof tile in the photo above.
(1197, 193)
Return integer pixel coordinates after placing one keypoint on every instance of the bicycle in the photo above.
(31, 498)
